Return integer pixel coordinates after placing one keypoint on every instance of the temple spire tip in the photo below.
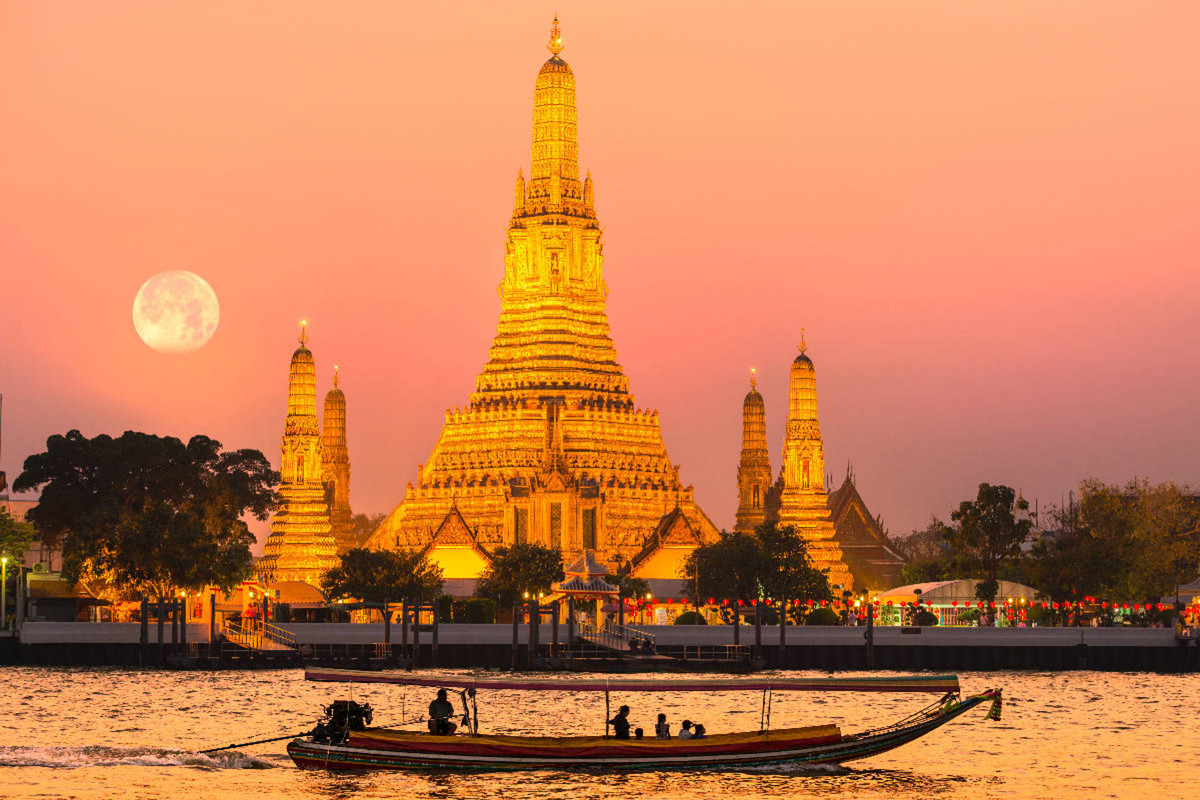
(303, 333)
(555, 45)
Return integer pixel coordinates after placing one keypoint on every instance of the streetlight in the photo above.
(3, 591)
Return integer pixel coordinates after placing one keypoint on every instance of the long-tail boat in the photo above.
(382, 748)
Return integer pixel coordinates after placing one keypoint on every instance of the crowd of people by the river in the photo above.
(662, 729)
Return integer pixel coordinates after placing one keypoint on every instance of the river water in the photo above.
(116, 733)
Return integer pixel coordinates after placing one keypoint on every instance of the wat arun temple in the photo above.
(552, 448)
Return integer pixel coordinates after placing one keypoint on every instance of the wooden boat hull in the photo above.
(824, 744)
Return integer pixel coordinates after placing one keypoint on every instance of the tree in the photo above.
(1122, 542)
(365, 525)
(383, 576)
(149, 512)
(15, 538)
(772, 563)
(988, 533)
(627, 585)
(522, 568)
(791, 574)
(929, 556)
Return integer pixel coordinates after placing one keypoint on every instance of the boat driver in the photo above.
(440, 711)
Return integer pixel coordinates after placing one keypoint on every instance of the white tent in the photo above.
(948, 592)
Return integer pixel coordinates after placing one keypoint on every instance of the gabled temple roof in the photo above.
(673, 529)
(864, 543)
(454, 530)
(586, 567)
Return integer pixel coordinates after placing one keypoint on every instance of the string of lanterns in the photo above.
(1086, 603)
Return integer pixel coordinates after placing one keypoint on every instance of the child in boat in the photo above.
(440, 711)
(699, 732)
(685, 730)
(662, 730)
(620, 723)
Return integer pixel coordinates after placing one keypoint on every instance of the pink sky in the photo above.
(984, 214)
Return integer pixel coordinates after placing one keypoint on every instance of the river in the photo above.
(118, 733)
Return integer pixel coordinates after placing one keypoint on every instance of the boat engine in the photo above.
(341, 717)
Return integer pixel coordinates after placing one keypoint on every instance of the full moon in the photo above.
(176, 312)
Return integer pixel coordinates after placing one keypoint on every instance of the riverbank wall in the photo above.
(491, 646)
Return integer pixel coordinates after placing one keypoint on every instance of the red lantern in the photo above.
(809, 602)
(711, 600)
(724, 601)
(954, 603)
(889, 603)
(1104, 605)
(992, 604)
(740, 603)
(768, 601)
(753, 601)
(824, 603)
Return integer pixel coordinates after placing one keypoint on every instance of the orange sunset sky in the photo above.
(984, 214)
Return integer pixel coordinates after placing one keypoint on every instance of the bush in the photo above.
(970, 616)
(690, 618)
(823, 616)
(445, 608)
(926, 618)
(474, 610)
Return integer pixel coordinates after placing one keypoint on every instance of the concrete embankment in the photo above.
(1131, 649)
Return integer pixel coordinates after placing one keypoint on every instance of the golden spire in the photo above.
(802, 346)
(303, 333)
(335, 375)
(753, 377)
(555, 45)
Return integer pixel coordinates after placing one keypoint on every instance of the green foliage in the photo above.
(929, 556)
(149, 512)
(473, 610)
(822, 616)
(627, 585)
(989, 534)
(1133, 542)
(773, 563)
(970, 616)
(518, 569)
(15, 538)
(383, 576)
(924, 617)
(690, 618)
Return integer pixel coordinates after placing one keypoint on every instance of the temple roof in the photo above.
(674, 529)
(864, 543)
(586, 567)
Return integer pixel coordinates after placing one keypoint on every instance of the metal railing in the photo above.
(613, 636)
(258, 637)
(279, 635)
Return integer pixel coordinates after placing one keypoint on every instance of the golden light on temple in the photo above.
(551, 447)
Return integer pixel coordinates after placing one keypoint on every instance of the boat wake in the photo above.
(97, 756)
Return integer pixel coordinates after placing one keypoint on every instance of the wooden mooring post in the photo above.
(516, 642)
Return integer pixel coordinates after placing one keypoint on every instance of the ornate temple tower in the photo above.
(300, 546)
(551, 447)
(754, 468)
(804, 502)
(335, 464)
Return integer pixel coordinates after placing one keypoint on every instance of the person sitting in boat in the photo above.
(440, 711)
(699, 732)
(662, 729)
(638, 734)
(620, 723)
(685, 730)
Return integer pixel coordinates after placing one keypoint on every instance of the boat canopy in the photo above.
(919, 683)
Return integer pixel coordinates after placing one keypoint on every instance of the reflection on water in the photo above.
(108, 733)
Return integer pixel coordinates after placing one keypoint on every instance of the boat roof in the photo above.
(917, 683)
